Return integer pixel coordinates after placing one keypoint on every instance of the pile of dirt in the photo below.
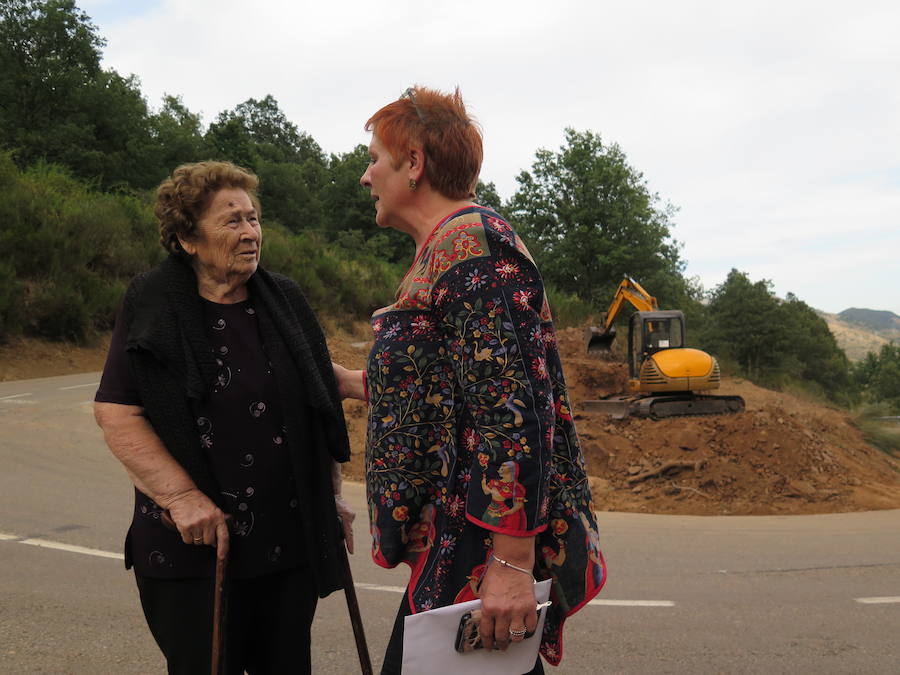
(782, 455)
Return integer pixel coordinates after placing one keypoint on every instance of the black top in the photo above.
(240, 430)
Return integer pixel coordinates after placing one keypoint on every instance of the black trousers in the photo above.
(393, 656)
(268, 622)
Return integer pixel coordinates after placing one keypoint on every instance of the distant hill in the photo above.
(886, 324)
(860, 331)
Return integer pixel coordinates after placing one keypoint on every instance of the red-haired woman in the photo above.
(462, 384)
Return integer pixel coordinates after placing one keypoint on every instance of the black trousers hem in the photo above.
(267, 630)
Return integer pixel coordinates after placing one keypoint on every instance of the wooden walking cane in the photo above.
(365, 664)
(218, 640)
(218, 628)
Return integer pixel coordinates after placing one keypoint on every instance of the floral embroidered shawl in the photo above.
(469, 428)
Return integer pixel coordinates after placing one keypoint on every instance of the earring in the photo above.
(412, 184)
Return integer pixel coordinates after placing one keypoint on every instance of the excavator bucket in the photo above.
(599, 342)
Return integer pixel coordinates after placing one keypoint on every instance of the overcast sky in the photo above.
(774, 127)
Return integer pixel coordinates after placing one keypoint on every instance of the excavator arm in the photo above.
(629, 290)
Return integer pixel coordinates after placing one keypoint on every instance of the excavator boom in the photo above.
(600, 338)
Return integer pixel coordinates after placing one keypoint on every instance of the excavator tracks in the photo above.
(661, 407)
(665, 405)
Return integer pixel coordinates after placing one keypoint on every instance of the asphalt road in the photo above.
(796, 594)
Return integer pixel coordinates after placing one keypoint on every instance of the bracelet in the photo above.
(503, 563)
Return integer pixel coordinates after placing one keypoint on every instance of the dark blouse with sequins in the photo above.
(241, 432)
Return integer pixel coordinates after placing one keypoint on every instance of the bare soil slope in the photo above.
(855, 340)
(27, 358)
(782, 455)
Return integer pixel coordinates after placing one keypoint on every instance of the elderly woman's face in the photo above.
(226, 244)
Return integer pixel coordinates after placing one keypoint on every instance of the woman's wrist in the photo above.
(509, 565)
(350, 382)
(168, 500)
(518, 551)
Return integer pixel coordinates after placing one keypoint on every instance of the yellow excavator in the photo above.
(664, 376)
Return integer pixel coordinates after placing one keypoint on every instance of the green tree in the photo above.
(60, 106)
(49, 54)
(811, 351)
(290, 194)
(885, 382)
(347, 203)
(290, 164)
(350, 213)
(589, 219)
(486, 195)
(259, 130)
(744, 318)
(121, 151)
(228, 139)
(878, 377)
(177, 134)
(775, 342)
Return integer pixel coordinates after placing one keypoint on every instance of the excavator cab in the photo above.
(650, 332)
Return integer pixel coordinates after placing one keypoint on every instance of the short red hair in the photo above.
(439, 123)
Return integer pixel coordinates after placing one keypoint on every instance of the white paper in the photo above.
(429, 643)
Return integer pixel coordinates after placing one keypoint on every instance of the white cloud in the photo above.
(773, 126)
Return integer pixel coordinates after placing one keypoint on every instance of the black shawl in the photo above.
(173, 362)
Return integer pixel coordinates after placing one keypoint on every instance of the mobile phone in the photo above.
(468, 637)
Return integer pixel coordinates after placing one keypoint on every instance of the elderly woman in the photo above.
(469, 421)
(219, 398)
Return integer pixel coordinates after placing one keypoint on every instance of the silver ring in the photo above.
(198, 540)
(517, 633)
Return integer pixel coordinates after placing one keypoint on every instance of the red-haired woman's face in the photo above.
(389, 187)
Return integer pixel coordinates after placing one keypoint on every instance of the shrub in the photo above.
(568, 309)
(58, 312)
(69, 251)
(10, 302)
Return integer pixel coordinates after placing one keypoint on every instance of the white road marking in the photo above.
(607, 603)
(79, 386)
(633, 603)
(44, 543)
(59, 546)
(376, 587)
(7, 398)
(879, 601)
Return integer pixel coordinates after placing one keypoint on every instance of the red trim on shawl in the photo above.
(505, 530)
